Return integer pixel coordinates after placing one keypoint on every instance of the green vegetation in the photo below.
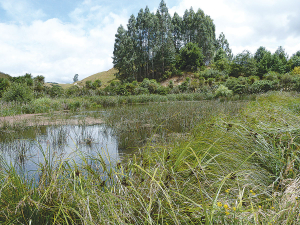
(152, 42)
(231, 160)
(237, 165)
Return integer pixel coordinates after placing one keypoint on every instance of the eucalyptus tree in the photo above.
(165, 55)
(263, 58)
(177, 31)
(294, 61)
(124, 56)
(243, 64)
(222, 43)
(279, 60)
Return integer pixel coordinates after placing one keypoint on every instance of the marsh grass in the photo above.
(163, 122)
(50, 105)
(237, 166)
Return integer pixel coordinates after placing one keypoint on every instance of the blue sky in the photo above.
(60, 38)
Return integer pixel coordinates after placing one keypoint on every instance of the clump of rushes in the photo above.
(208, 178)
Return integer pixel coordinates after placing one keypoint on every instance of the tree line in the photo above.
(150, 46)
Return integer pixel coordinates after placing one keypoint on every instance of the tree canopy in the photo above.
(151, 42)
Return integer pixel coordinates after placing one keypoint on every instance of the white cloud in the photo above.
(58, 50)
(250, 24)
(21, 10)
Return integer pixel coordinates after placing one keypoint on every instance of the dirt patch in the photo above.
(177, 80)
(46, 119)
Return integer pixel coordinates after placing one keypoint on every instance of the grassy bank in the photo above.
(46, 105)
(238, 166)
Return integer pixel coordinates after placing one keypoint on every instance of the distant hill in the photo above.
(105, 78)
(4, 75)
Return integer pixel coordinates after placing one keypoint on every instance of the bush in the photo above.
(56, 91)
(223, 91)
(140, 91)
(211, 73)
(262, 86)
(121, 90)
(151, 85)
(162, 90)
(73, 91)
(4, 84)
(97, 83)
(190, 57)
(18, 93)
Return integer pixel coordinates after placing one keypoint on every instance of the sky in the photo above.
(61, 38)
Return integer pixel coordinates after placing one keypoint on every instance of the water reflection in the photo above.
(26, 149)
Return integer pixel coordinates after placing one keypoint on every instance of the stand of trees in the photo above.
(151, 44)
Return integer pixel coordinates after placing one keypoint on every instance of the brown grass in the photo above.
(4, 75)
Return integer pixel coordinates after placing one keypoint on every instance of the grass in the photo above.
(237, 166)
(4, 75)
(46, 105)
(105, 77)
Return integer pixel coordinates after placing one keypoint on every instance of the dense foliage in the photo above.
(149, 46)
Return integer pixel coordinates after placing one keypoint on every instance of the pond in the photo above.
(72, 136)
(28, 147)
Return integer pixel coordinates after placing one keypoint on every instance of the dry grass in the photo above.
(4, 75)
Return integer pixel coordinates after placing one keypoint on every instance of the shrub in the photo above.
(162, 90)
(271, 76)
(223, 91)
(18, 93)
(89, 85)
(211, 73)
(140, 91)
(4, 84)
(171, 84)
(73, 91)
(296, 70)
(190, 57)
(121, 90)
(97, 83)
(56, 91)
(262, 86)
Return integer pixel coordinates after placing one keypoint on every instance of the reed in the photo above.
(239, 164)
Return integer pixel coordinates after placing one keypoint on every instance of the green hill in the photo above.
(105, 77)
(4, 75)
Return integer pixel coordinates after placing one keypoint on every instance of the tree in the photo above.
(4, 84)
(177, 31)
(294, 61)
(18, 92)
(190, 57)
(124, 56)
(165, 50)
(243, 64)
(75, 78)
(279, 61)
(223, 44)
(148, 48)
(263, 58)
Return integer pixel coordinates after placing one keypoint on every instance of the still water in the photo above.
(27, 148)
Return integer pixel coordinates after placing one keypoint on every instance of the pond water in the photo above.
(27, 148)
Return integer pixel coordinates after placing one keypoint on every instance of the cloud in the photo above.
(60, 50)
(21, 10)
(250, 24)
(38, 43)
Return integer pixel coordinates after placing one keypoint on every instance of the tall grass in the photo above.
(234, 168)
(48, 105)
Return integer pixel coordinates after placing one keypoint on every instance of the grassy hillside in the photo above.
(105, 77)
(4, 75)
